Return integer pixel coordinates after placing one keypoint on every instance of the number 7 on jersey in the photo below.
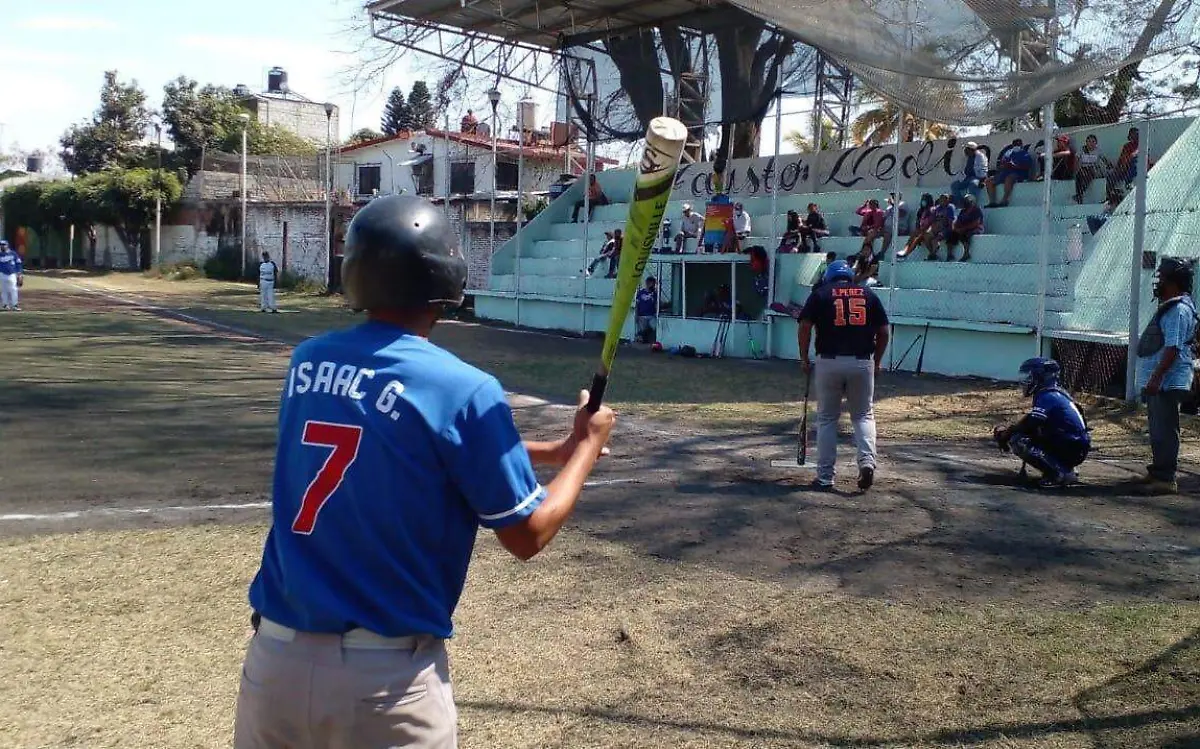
(344, 440)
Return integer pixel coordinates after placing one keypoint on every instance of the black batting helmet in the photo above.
(1180, 271)
(402, 252)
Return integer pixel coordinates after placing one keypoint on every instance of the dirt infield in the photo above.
(699, 597)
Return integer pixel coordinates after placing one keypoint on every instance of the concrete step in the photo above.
(993, 307)
(555, 286)
(1018, 278)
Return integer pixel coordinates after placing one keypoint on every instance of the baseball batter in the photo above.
(12, 275)
(268, 274)
(392, 453)
(852, 335)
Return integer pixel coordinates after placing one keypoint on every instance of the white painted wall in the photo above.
(538, 174)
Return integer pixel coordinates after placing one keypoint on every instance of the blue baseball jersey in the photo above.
(10, 263)
(392, 452)
(645, 302)
(1059, 417)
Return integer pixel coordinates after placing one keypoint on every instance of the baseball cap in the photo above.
(972, 145)
(687, 206)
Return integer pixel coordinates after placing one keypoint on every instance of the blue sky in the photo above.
(54, 54)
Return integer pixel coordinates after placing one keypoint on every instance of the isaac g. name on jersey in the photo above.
(346, 380)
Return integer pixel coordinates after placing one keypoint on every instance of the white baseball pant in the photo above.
(266, 295)
(8, 291)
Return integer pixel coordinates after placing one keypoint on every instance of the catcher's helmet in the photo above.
(1179, 271)
(401, 252)
(1040, 373)
(838, 270)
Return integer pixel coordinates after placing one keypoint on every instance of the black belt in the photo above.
(861, 357)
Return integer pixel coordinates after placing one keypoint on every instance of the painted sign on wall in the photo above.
(932, 163)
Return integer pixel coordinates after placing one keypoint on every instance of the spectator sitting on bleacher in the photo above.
(1092, 164)
(893, 208)
(1063, 160)
(872, 220)
(1005, 152)
(596, 197)
(607, 250)
(866, 268)
(924, 222)
(967, 224)
(1016, 168)
(469, 123)
(691, 226)
(790, 240)
(942, 223)
(974, 172)
(736, 229)
(813, 229)
(1125, 171)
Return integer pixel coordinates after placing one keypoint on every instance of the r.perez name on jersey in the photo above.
(344, 380)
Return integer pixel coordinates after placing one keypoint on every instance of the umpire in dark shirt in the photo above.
(852, 334)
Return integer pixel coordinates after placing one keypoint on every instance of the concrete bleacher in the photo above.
(981, 314)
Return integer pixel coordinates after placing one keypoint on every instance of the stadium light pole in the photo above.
(494, 100)
(245, 118)
(158, 198)
(328, 196)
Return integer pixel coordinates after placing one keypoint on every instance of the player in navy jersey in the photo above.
(392, 453)
(1053, 437)
(12, 271)
(852, 334)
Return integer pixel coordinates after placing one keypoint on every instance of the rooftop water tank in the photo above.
(241, 90)
(277, 80)
(33, 163)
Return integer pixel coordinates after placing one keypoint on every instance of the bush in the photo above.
(226, 265)
(182, 271)
(289, 281)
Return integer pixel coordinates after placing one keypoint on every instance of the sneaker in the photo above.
(1158, 487)
(275, 311)
(1058, 482)
(822, 484)
(866, 477)
(16, 308)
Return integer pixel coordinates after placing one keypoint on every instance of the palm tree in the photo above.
(803, 143)
(878, 126)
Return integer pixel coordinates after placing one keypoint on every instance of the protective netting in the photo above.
(641, 75)
(1091, 367)
(969, 62)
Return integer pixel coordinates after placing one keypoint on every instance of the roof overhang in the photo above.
(555, 24)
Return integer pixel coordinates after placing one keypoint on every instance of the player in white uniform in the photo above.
(12, 271)
(268, 274)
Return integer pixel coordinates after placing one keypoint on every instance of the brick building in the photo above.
(281, 106)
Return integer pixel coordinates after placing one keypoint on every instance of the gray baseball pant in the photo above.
(311, 691)
(853, 379)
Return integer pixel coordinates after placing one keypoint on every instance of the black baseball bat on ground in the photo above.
(925, 340)
(802, 445)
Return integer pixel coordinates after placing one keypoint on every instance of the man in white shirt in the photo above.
(690, 227)
(741, 229)
(970, 180)
(268, 274)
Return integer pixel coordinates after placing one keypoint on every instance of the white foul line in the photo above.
(32, 517)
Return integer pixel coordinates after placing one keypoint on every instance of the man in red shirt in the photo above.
(872, 220)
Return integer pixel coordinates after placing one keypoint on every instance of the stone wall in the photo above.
(304, 254)
(304, 118)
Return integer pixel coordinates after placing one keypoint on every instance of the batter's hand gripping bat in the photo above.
(665, 140)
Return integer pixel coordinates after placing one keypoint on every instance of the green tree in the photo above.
(803, 143)
(201, 119)
(125, 200)
(396, 115)
(877, 126)
(363, 135)
(112, 137)
(270, 140)
(420, 107)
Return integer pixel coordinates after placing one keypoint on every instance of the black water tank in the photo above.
(241, 90)
(277, 80)
(33, 163)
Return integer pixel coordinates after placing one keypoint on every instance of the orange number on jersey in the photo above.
(344, 440)
(857, 307)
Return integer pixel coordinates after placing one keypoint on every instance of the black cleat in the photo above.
(866, 477)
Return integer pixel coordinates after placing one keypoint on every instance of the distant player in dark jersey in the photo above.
(392, 453)
(1053, 437)
(852, 334)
